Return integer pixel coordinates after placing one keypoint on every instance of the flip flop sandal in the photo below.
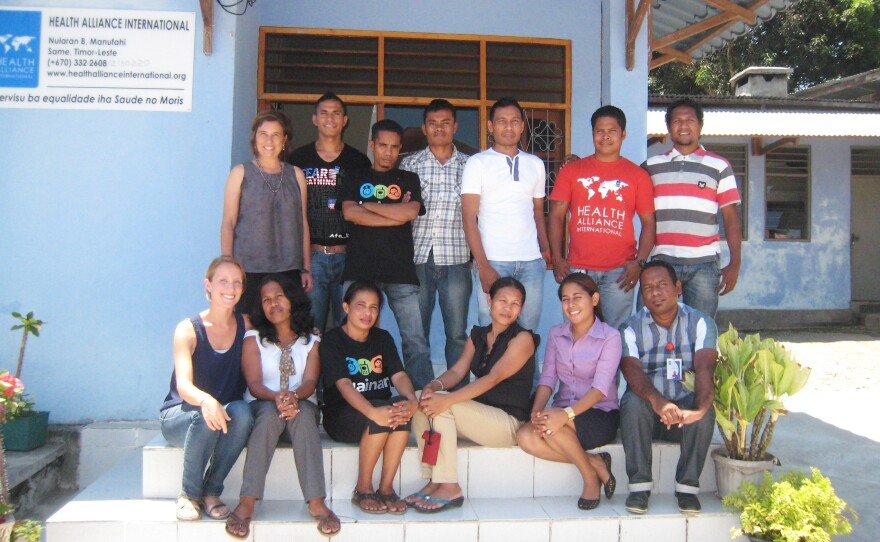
(393, 499)
(188, 509)
(238, 523)
(324, 521)
(444, 504)
(421, 496)
(357, 498)
(209, 511)
(611, 484)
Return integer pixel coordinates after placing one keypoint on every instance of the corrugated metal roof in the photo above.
(740, 123)
(669, 16)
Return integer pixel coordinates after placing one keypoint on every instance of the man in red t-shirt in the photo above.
(604, 192)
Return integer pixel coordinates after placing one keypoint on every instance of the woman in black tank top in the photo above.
(204, 411)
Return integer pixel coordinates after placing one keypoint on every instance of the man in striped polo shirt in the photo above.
(690, 185)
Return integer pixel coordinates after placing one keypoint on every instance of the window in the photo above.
(865, 161)
(396, 71)
(788, 193)
(738, 156)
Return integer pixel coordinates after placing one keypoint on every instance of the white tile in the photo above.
(162, 472)
(85, 531)
(411, 471)
(344, 471)
(511, 531)
(282, 480)
(92, 437)
(463, 513)
(500, 473)
(444, 531)
(204, 530)
(606, 530)
(554, 479)
(144, 531)
(95, 461)
(270, 532)
(145, 435)
(565, 508)
(653, 528)
(508, 509)
(386, 531)
(712, 529)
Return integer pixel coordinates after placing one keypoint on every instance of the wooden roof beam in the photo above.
(742, 13)
(759, 149)
(668, 54)
(635, 16)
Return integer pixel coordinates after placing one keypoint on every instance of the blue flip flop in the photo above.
(419, 495)
(444, 504)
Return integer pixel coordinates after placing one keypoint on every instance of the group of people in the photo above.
(313, 241)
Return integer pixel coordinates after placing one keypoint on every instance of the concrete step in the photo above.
(113, 509)
(484, 473)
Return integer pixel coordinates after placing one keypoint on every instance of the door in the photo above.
(865, 247)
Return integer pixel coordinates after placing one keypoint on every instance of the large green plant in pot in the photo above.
(753, 378)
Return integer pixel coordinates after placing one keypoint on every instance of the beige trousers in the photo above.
(482, 424)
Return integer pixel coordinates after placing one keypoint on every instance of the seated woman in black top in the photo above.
(489, 410)
(360, 364)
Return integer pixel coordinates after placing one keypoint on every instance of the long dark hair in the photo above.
(588, 284)
(301, 320)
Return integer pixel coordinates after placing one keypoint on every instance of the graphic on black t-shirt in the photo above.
(369, 364)
(326, 225)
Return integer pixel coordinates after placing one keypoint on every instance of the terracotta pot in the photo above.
(730, 473)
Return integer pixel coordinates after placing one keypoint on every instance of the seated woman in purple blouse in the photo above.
(582, 355)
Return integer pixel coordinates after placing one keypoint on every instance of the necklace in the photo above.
(280, 174)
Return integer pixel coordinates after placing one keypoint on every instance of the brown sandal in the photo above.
(358, 498)
(393, 498)
(238, 527)
(325, 521)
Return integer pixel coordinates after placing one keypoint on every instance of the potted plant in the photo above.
(11, 390)
(752, 379)
(794, 509)
(29, 427)
(27, 530)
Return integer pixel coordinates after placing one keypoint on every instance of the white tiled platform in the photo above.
(511, 497)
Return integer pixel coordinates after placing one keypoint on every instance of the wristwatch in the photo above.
(570, 411)
(642, 263)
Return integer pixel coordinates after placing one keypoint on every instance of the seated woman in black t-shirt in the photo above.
(489, 410)
(360, 364)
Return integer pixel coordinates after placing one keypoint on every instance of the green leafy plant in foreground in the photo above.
(794, 509)
(27, 530)
(752, 379)
(28, 325)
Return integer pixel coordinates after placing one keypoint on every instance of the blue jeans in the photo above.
(453, 284)
(183, 425)
(404, 302)
(531, 274)
(617, 304)
(327, 277)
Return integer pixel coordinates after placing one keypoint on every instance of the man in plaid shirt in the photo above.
(442, 257)
(661, 342)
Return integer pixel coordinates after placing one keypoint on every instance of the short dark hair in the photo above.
(385, 125)
(506, 102)
(301, 321)
(587, 283)
(610, 111)
(507, 282)
(361, 286)
(665, 265)
(438, 104)
(331, 96)
(684, 102)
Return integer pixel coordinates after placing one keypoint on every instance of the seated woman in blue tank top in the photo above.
(204, 411)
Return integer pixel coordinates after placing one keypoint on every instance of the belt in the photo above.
(329, 249)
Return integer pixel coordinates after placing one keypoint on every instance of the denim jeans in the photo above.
(453, 285)
(617, 304)
(327, 292)
(639, 425)
(699, 286)
(531, 274)
(183, 425)
(403, 299)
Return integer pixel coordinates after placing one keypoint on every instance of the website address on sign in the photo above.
(103, 74)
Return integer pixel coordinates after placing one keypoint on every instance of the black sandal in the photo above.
(392, 498)
(358, 498)
(611, 484)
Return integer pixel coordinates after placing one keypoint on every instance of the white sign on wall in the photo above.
(96, 59)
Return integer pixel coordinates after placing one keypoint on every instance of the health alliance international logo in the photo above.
(20, 48)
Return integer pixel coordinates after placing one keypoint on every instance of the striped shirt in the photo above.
(688, 191)
(646, 340)
(440, 229)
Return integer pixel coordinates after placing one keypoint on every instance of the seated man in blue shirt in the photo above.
(661, 342)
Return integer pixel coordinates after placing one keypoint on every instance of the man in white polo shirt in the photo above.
(502, 207)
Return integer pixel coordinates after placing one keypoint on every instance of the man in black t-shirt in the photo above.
(323, 161)
(381, 202)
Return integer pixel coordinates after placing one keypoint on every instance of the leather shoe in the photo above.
(688, 503)
(637, 502)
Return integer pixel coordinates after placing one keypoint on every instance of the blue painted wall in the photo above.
(110, 217)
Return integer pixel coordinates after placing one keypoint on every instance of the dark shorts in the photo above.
(344, 423)
(251, 295)
(596, 427)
